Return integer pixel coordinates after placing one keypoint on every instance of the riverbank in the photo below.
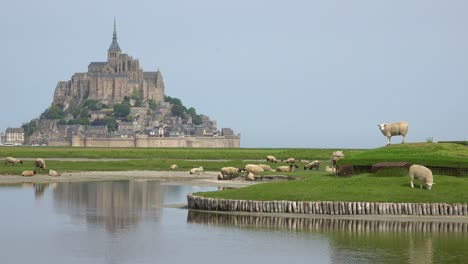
(208, 178)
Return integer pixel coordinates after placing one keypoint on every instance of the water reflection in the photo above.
(362, 241)
(116, 204)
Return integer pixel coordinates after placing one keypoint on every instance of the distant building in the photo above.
(2, 138)
(97, 115)
(14, 136)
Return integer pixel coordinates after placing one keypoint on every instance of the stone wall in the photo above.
(157, 142)
(327, 208)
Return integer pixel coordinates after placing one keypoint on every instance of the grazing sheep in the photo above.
(289, 160)
(220, 176)
(422, 174)
(40, 163)
(229, 172)
(266, 167)
(250, 177)
(289, 168)
(253, 168)
(197, 171)
(28, 173)
(270, 158)
(13, 161)
(174, 167)
(54, 173)
(336, 155)
(394, 129)
(312, 165)
(330, 170)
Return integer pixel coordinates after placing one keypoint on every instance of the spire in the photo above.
(114, 47)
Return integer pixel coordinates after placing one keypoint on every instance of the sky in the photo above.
(283, 74)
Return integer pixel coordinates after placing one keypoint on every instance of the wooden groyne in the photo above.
(327, 207)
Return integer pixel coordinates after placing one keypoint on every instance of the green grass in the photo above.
(167, 153)
(429, 154)
(364, 187)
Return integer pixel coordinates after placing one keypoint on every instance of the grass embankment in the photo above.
(317, 186)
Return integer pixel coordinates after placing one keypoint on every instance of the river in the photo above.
(135, 222)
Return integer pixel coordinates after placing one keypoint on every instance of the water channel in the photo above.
(134, 222)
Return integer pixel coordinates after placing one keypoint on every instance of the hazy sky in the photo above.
(281, 73)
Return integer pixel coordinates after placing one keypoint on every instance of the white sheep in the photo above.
(271, 158)
(13, 161)
(197, 171)
(54, 173)
(220, 176)
(255, 169)
(229, 172)
(266, 167)
(40, 163)
(290, 160)
(289, 168)
(336, 155)
(330, 170)
(250, 176)
(394, 129)
(174, 167)
(312, 165)
(422, 174)
(28, 173)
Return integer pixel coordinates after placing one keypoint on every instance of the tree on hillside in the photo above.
(121, 110)
(53, 112)
(152, 104)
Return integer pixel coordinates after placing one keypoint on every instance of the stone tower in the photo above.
(111, 81)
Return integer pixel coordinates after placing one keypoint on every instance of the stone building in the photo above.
(14, 136)
(111, 81)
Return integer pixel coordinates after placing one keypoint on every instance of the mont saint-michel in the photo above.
(117, 104)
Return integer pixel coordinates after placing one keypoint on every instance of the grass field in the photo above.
(312, 185)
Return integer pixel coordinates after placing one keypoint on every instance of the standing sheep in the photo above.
(229, 172)
(197, 171)
(289, 168)
(312, 165)
(266, 167)
(334, 159)
(13, 161)
(394, 129)
(40, 163)
(270, 158)
(422, 174)
(255, 169)
(28, 173)
(290, 160)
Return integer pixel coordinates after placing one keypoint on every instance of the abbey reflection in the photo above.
(114, 204)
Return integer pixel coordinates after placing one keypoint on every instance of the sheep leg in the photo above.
(388, 141)
(412, 185)
(403, 141)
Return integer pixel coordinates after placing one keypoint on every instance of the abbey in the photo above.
(110, 81)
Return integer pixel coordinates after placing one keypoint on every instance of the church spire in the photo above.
(114, 47)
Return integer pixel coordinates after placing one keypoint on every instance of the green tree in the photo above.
(53, 112)
(29, 128)
(121, 110)
(92, 105)
(152, 104)
(178, 110)
(111, 124)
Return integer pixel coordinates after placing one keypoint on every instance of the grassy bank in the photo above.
(364, 187)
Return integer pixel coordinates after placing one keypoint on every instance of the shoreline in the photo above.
(208, 178)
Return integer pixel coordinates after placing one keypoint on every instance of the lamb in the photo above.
(197, 171)
(394, 129)
(40, 163)
(255, 169)
(270, 158)
(250, 177)
(421, 173)
(174, 167)
(313, 164)
(289, 168)
(54, 173)
(266, 167)
(28, 173)
(229, 172)
(13, 161)
(330, 170)
(290, 160)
